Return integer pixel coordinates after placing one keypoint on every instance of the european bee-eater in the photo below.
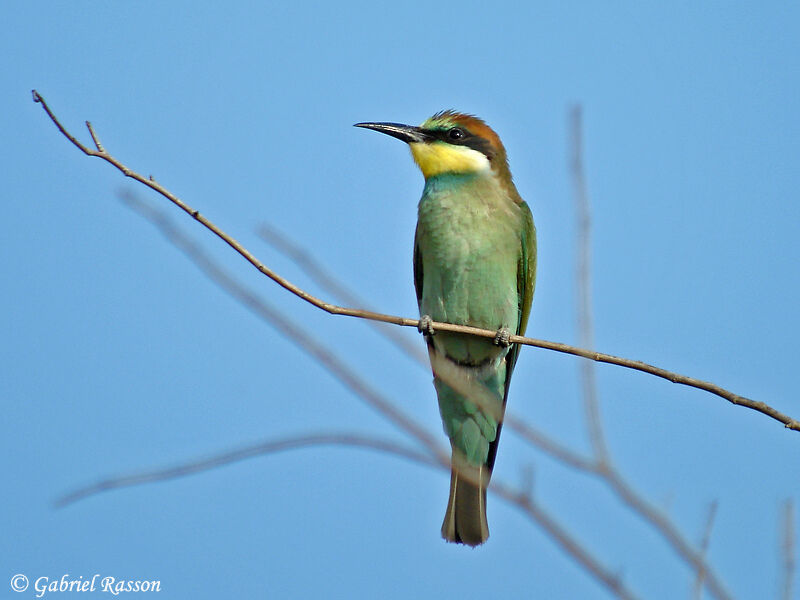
(474, 264)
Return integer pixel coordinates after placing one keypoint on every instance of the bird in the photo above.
(474, 264)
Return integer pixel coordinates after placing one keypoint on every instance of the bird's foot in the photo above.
(503, 337)
(425, 325)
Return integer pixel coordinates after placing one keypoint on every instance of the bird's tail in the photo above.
(465, 520)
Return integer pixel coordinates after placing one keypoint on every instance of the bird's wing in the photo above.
(526, 272)
(526, 282)
(417, 269)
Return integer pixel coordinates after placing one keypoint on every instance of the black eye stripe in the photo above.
(455, 135)
(467, 139)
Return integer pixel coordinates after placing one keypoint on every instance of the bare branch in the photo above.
(520, 500)
(661, 522)
(96, 140)
(286, 327)
(584, 287)
(627, 494)
(524, 501)
(788, 549)
(337, 289)
(603, 466)
(232, 456)
(761, 407)
(549, 446)
(704, 542)
(65, 133)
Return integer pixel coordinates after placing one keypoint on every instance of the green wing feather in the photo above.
(526, 283)
(526, 273)
(417, 268)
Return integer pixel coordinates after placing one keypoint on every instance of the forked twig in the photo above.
(583, 277)
(604, 466)
(339, 291)
(704, 543)
(788, 549)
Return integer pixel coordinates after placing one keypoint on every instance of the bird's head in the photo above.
(450, 142)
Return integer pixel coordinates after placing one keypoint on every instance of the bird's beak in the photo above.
(407, 133)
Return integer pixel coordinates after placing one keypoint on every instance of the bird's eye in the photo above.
(455, 133)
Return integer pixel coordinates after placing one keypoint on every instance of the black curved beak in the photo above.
(406, 133)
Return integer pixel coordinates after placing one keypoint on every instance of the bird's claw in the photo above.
(425, 325)
(503, 337)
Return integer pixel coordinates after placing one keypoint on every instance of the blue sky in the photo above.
(120, 356)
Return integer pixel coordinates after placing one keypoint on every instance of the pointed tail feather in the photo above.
(465, 520)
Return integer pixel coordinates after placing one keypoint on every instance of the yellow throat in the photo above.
(437, 158)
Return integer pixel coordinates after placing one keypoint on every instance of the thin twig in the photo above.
(333, 286)
(668, 530)
(736, 399)
(232, 456)
(285, 326)
(524, 501)
(788, 549)
(604, 466)
(549, 446)
(318, 273)
(520, 499)
(584, 288)
(627, 494)
(704, 542)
